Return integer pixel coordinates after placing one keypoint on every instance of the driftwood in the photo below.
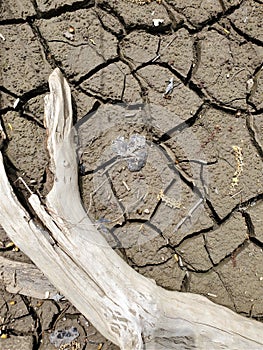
(26, 279)
(127, 308)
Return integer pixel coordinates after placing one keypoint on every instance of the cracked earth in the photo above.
(191, 217)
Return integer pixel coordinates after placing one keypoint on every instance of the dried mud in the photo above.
(191, 218)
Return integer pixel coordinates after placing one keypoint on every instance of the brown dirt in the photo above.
(213, 51)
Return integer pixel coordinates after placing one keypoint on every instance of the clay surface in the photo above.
(191, 217)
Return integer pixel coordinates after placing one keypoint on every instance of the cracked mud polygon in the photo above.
(191, 217)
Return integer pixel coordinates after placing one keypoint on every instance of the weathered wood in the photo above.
(124, 306)
(27, 279)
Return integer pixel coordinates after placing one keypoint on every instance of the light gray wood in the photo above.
(127, 308)
(24, 278)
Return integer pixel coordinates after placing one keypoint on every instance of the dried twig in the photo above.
(165, 48)
(189, 215)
